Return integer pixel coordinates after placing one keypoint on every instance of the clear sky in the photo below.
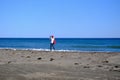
(62, 18)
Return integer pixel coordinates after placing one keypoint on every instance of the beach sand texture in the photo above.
(46, 65)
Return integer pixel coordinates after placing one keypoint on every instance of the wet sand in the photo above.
(46, 65)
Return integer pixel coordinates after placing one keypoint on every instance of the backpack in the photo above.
(54, 42)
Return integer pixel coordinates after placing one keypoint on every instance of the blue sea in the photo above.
(63, 44)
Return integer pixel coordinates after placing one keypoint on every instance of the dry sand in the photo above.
(45, 65)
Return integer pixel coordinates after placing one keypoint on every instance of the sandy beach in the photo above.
(46, 65)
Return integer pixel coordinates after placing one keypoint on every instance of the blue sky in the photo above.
(62, 18)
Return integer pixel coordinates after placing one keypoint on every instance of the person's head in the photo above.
(52, 36)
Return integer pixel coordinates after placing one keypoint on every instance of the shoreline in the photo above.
(53, 65)
(48, 50)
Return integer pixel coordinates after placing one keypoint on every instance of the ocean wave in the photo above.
(116, 47)
(60, 50)
(35, 49)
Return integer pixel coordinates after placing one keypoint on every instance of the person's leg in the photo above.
(53, 47)
(50, 46)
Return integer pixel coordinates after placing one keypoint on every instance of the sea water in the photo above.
(63, 44)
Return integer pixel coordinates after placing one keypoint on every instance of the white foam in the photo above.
(10, 48)
(40, 49)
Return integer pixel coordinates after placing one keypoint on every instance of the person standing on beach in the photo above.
(52, 43)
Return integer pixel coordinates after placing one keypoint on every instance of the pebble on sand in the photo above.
(76, 63)
(105, 61)
(39, 58)
(28, 57)
(86, 67)
(9, 62)
(51, 59)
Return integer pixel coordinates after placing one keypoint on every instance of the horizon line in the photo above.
(59, 37)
